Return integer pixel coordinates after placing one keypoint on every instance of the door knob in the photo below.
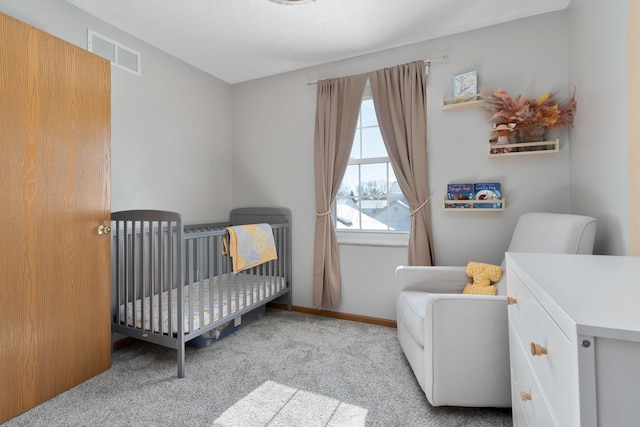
(104, 229)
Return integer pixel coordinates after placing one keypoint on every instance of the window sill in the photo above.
(372, 238)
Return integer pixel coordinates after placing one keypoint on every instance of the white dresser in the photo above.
(574, 338)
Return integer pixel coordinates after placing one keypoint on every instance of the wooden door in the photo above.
(54, 193)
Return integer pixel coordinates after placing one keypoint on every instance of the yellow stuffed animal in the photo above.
(483, 275)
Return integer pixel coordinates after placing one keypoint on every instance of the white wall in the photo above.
(170, 128)
(176, 121)
(599, 165)
(272, 157)
(521, 59)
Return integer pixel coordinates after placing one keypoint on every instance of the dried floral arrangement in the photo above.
(530, 114)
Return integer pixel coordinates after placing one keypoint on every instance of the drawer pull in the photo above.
(511, 301)
(537, 349)
(524, 395)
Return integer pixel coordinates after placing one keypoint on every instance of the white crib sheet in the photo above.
(254, 288)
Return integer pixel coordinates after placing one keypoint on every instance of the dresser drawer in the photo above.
(555, 363)
(528, 402)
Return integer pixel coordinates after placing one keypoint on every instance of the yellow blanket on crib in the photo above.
(251, 245)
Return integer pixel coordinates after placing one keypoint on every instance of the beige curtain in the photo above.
(399, 96)
(337, 109)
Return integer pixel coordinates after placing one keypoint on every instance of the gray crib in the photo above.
(157, 261)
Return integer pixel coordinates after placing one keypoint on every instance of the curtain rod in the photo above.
(426, 61)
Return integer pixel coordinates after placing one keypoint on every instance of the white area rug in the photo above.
(274, 404)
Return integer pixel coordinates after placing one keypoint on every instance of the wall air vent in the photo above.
(121, 56)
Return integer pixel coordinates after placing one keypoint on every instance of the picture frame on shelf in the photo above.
(465, 84)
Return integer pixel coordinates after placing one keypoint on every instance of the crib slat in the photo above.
(126, 270)
(283, 257)
(173, 275)
(220, 272)
(211, 277)
(200, 279)
(230, 278)
(159, 278)
(260, 281)
(190, 271)
(132, 290)
(248, 288)
(237, 286)
(118, 268)
(142, 273)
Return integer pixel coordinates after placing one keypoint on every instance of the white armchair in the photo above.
(458, 345)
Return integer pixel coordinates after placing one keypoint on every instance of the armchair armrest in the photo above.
(436, 279)
(467, 338)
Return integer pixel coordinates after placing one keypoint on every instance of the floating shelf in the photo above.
(461, 102)
(474, 205)
(524, 148)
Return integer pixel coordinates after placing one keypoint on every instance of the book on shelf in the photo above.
(459, 192)
(487, 191)
(465, 85)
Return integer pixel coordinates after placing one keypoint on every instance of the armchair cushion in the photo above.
(411, 307)
(437, 279)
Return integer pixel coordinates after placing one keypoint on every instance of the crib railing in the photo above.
(155, 257)
(207, 262)
(172, 283)
(146, 263)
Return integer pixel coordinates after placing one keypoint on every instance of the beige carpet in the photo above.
(274, 404)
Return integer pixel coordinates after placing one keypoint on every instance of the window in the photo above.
(370, 199)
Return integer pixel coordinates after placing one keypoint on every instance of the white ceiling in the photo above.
(240, 40)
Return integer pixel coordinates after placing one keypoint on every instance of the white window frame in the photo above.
(373, 238)
(370, 237)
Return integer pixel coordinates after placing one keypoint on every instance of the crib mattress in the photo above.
(249, 290)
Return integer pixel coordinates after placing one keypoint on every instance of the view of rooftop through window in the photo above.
(370, 197)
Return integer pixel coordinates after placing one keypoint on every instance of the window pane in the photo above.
(374, 181)
(368, 113)
(355, 148)
(373, 192)
(351, 182)
(347, 213)
(372, 143)
(399, 215)
(399, 212)
(347, 201)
